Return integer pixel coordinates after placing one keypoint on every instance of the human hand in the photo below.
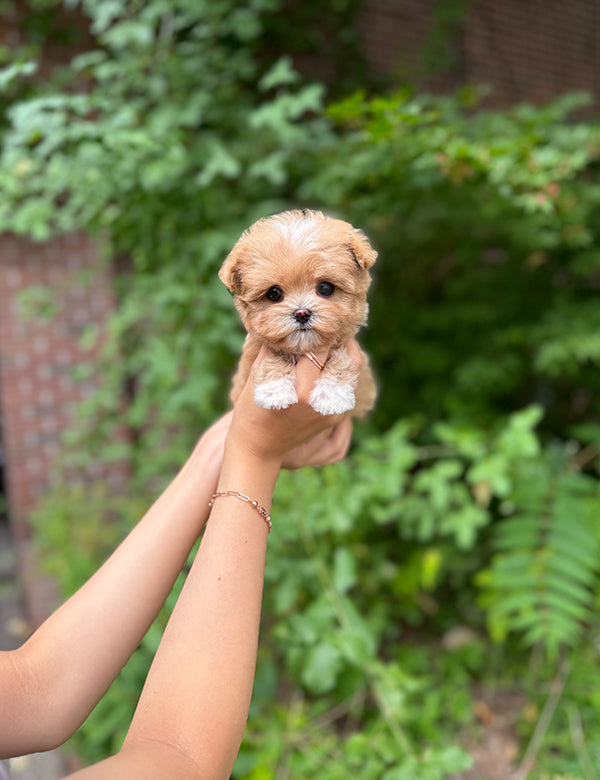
(271, 434)
(325, 448)
(212, 440)
(207, 456)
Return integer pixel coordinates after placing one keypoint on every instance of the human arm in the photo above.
(193, 709)
(50, 685)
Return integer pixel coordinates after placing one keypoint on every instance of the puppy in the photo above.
(299, 281)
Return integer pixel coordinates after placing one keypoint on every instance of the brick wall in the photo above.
(38, 391)
(524, 50)
(51, 35)
(394, 34)
(535, 50)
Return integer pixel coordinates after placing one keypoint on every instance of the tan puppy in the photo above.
(299, 281)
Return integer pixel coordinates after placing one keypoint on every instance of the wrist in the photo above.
(250, 473)
(206, 462)
(249, 457)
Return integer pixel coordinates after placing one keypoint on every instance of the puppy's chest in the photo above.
(293, 357)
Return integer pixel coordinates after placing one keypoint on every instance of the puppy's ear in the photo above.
(361, 250)
(230, 272)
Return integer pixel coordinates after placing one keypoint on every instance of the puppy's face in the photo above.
(300, 279)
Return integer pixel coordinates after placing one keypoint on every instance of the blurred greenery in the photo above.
(470, 500)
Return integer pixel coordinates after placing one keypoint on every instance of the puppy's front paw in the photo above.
(330, 397)
(276, 393)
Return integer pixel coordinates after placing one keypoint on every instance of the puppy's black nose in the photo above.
(302, 316)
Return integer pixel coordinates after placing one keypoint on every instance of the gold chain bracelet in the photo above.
(254, 504)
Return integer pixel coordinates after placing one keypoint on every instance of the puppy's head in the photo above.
(299, 280)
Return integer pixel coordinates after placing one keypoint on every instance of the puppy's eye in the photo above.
(275, 294)
(325, 289)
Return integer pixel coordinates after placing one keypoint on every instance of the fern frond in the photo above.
(515, 533)
(564, 567)
(542, 580)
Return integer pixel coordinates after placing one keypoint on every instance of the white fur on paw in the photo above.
(276, 393)
(330, 397)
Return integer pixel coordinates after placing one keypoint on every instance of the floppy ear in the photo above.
(362, 252)
(230, 272)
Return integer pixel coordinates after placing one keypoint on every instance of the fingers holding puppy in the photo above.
(325, 448)
(272, 434)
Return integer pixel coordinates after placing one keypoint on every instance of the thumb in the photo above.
(308, 370)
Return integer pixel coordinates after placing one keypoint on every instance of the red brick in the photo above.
(38, 394)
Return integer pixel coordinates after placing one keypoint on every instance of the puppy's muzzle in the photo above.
(302, 316)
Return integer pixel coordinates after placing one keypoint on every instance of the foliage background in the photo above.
(469, 505)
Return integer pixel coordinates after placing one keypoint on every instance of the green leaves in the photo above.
(321, 668)
(463, 502)
(14, 72)
(281, 73)
(171, 113)
(544, 575)
(167, 154)
(484, 222)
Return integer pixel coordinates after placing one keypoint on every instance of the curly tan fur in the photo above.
(296, 252)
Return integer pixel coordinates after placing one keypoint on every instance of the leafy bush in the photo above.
(469, 500)
(487, 225)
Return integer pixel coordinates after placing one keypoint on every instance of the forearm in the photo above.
(67, 665)
(198, 691)
(194, 706)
